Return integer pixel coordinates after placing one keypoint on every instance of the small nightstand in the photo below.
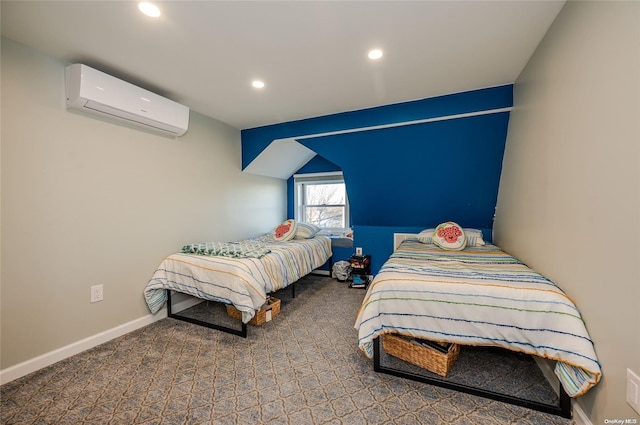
(360, 266)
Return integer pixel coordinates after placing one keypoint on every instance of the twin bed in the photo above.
(241, 274)
(477, 296)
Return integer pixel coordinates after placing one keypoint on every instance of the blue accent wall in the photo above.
(422, 173)
(411, 176)
(254, 140)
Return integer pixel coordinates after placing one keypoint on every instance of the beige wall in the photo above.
(568, 203)
(87, 202)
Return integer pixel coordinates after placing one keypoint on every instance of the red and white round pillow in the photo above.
(285, 231)
(450, 236)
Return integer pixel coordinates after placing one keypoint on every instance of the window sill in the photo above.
(340, 233)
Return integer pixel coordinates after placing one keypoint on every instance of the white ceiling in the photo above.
(311, 55)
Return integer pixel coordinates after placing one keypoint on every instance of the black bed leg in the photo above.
(239, 332)
(564, 403)
(169, 313)
(376, 354)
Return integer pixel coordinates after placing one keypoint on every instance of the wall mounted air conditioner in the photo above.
(95, 92)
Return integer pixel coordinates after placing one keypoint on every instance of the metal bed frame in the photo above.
(240, 332)
(563, 408)
(234, 331)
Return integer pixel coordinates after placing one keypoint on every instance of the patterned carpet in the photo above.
(303, 367)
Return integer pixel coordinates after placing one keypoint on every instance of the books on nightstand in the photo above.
(360, 267)
(359, 281)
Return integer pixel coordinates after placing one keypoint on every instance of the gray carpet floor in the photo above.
(303, 367)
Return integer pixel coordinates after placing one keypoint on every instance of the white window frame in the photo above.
(299, 180)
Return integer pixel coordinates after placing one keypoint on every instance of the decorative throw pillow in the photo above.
(474, 236)
(306, 230)
(450, 236)
(285, 231)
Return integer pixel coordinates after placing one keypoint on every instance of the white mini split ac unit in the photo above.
(95, 92)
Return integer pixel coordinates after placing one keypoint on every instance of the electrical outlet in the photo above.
(359, 251)
(97, 293)
(633, 390)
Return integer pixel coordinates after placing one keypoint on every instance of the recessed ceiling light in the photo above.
(375, 54)
(257, 84)
(149, 9)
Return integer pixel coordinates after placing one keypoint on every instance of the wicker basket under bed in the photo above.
(262, 316)
(427, 358)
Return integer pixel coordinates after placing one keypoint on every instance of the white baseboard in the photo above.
(186, 302)
(17, 371)
(579, 417)
(22, 369)
(546, 366)
(14, 372)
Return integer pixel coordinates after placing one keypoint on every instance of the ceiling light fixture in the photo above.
(149, 9)
(375, 54)
(257, 84)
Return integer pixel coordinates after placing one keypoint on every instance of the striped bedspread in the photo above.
(478, 296)
(243, 282)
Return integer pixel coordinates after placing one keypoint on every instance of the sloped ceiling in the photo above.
(281, 159)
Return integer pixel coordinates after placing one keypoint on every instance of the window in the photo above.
(321, 199)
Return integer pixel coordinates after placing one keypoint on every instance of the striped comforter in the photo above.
(478, 296)
(243, 282)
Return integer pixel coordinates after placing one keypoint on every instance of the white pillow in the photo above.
(285, 231)
(474, 237)
(425, 236)
(306, 230)
(449, 236)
